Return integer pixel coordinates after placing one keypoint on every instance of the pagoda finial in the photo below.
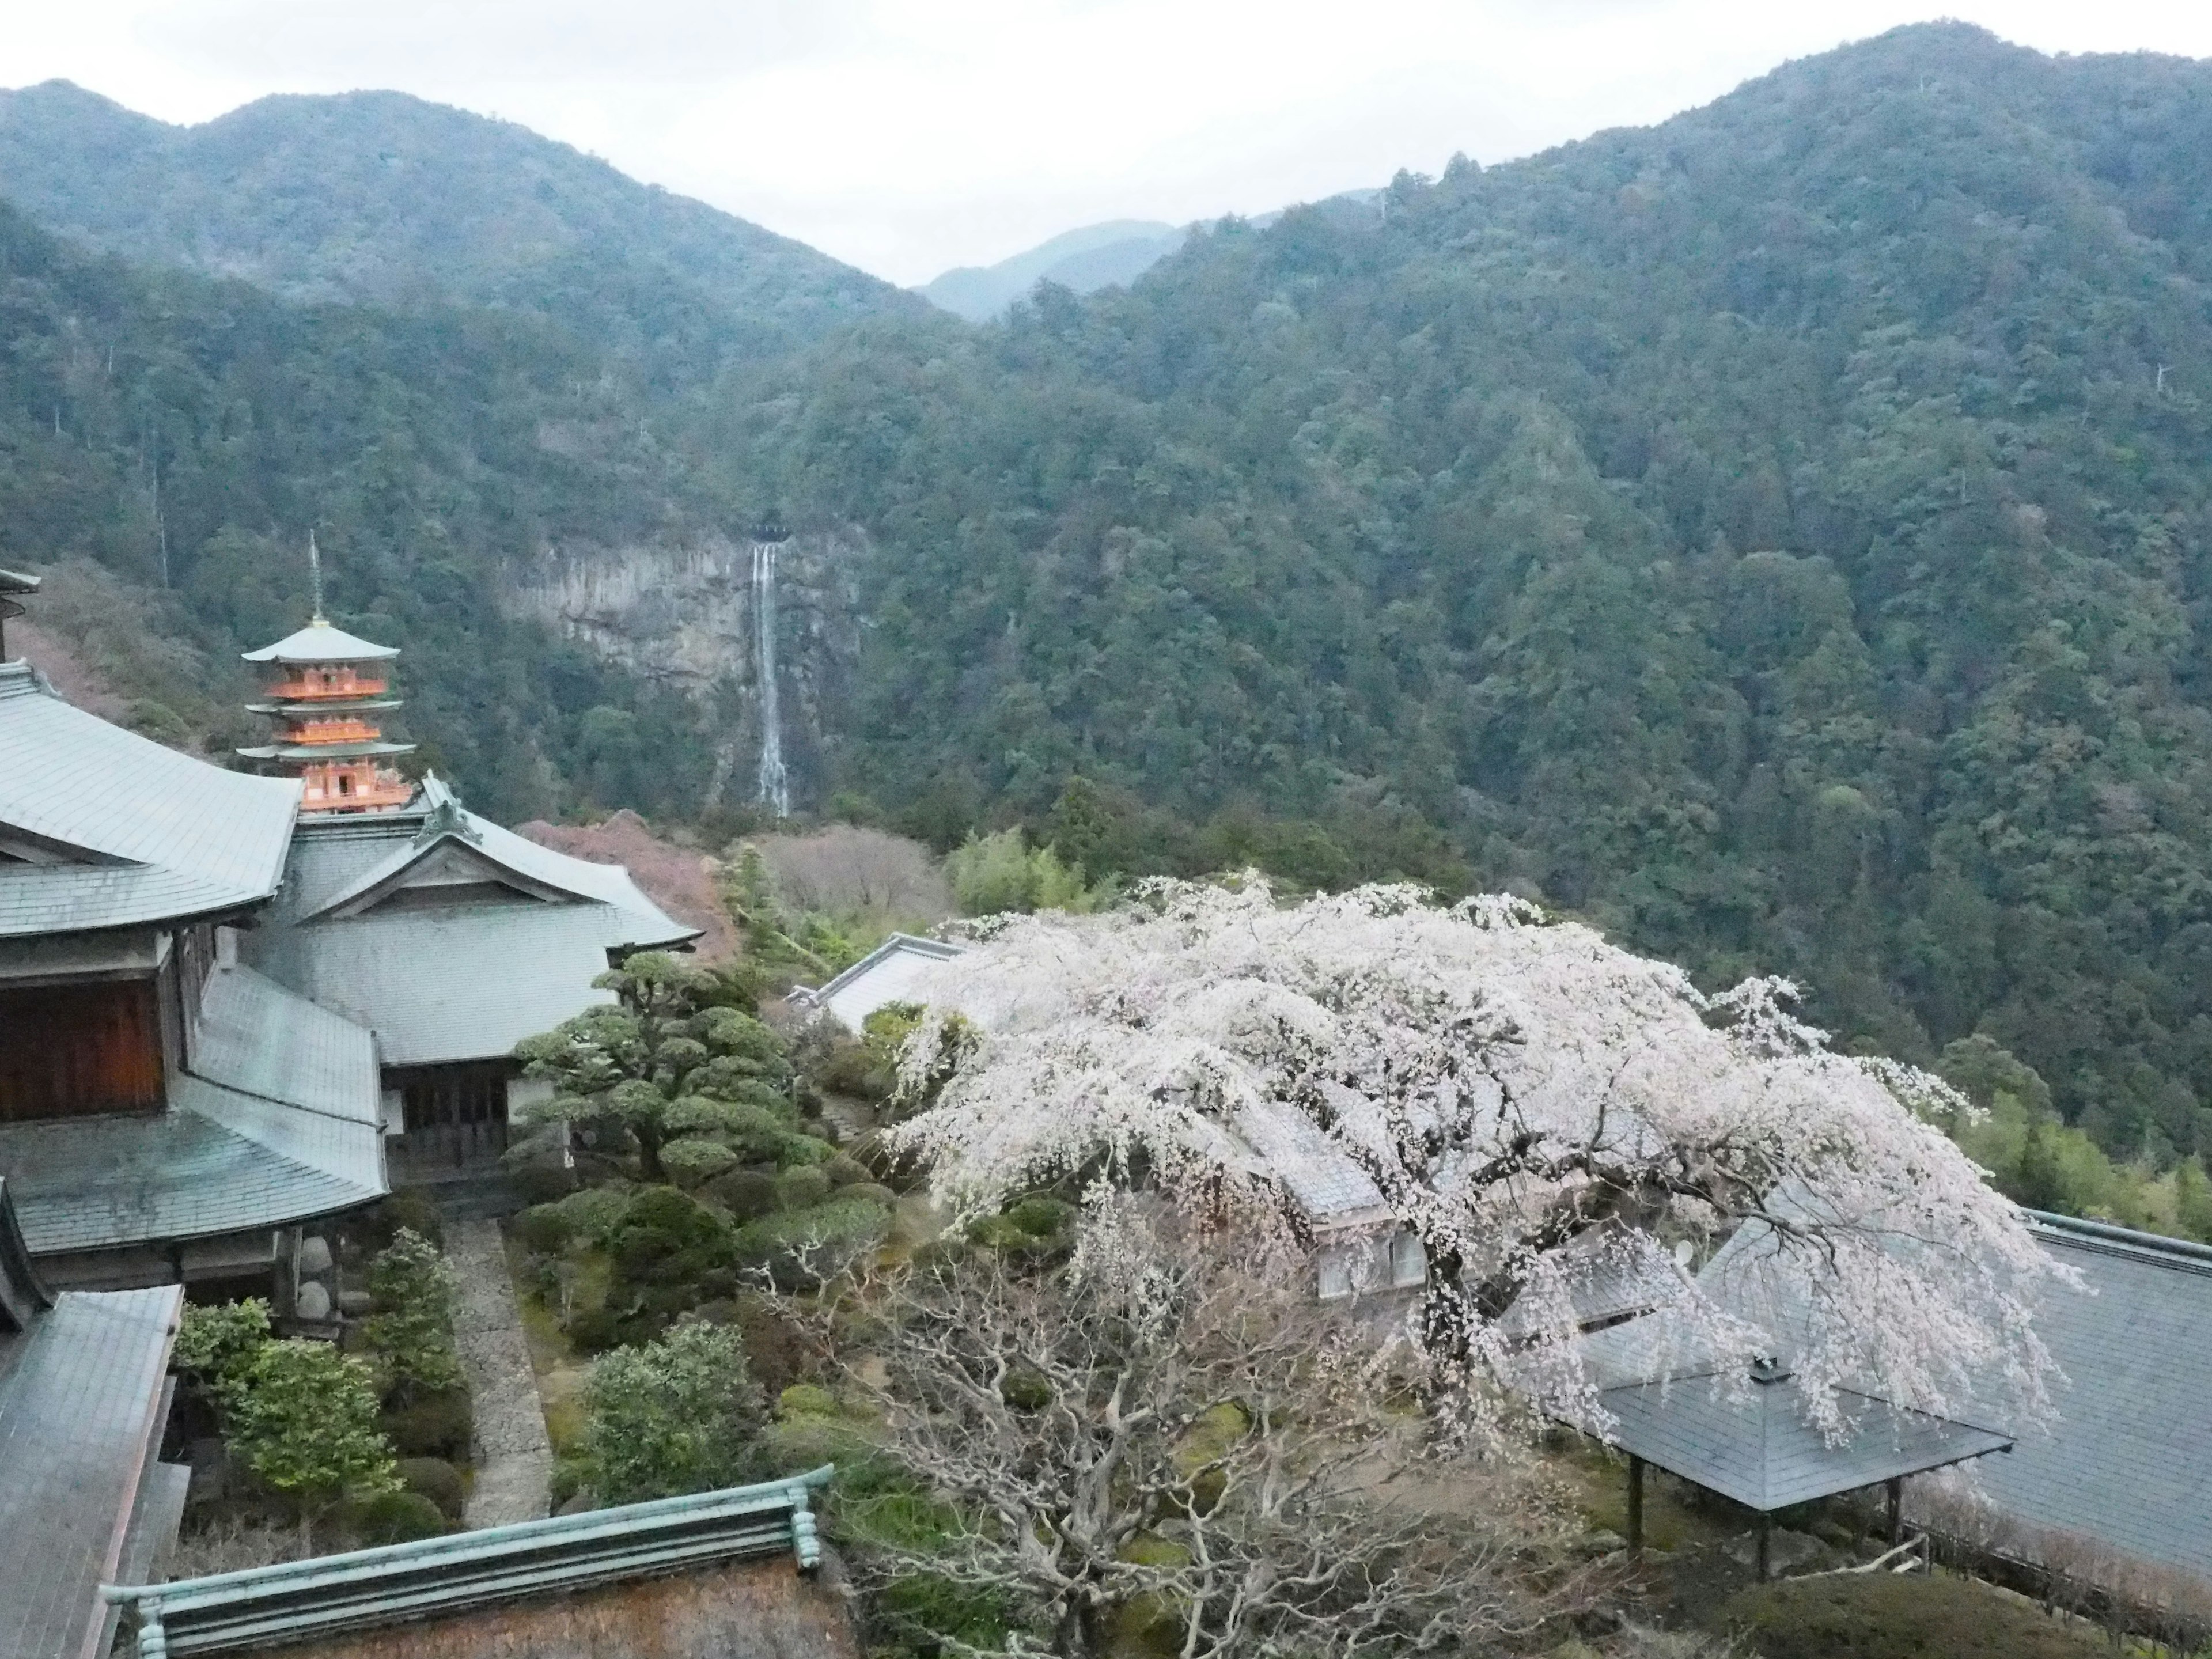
(315, 581)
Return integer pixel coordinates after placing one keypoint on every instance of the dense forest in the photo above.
(185, 433)
(1779, 536)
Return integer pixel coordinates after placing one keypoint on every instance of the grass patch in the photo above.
(1899, 1616)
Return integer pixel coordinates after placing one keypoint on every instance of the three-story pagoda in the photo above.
(325, 699)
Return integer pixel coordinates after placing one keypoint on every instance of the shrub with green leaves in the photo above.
(302, 1418)
(412, 1288)
(216, 1342)
(694, 1160)
(679, 1415)
(800, 1249)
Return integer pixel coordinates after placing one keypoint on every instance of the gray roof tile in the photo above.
(172, 835)
(2129, 1462)
(79, 1401)
(1751, 1443)
(320, 642)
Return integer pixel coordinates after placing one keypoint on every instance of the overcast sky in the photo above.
(907, 136)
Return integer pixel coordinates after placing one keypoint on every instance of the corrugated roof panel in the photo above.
(193, 838)
(77, 1411)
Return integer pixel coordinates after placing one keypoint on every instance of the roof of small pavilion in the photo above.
(1748, 1438)
(319, 642)
(82, 1380)
(114, 831)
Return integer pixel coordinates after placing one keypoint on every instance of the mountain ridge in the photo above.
(381, 197)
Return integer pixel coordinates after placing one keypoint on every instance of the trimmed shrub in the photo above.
(802, 1189)
(747, 1194)
(780, 1349)
(668, 1237)
(873, 1194)
(545, 1229)
(407, 1208)
(432, 1425)
(395, 1518)
(436, 1480)
(412, 1290)
(542, 1179)
(694, 1159)
(800, 1248)
(679, 1415)
(302, 1417)
(796, 1150)
(844, 1171)
(805, 1399)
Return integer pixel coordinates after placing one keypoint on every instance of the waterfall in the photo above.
(774, 791)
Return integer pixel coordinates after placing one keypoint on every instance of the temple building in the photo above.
(231, 1005)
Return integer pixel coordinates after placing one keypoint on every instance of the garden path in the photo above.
(514, 1460)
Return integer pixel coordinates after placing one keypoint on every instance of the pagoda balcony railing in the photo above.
(386, 790)
(312, 732)
(336, 686)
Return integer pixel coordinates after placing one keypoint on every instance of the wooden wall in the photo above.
(70, 1050)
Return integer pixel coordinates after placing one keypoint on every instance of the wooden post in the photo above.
(1896, 1485)
(1635, 1505)
(1766, 1544)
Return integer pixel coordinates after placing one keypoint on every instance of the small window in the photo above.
(345, 783)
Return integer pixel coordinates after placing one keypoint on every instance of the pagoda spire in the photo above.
(325, 700)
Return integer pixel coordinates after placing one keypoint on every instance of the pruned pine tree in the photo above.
(1518, 1092)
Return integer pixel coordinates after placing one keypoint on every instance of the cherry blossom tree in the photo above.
(1537, 1105)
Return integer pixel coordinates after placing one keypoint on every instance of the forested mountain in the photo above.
(1780, 535)
(185, 433)
(377, 196)
(1082, 261)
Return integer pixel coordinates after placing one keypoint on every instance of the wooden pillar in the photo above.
(1896, 1485)
(1635, 1505)
(1766, 1544)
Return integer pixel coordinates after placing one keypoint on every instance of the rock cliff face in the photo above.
(685, 615)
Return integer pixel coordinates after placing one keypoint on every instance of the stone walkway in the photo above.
(515, 1461)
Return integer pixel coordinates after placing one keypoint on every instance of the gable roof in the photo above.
(890, 973)
(320, 642)
(136, 833)
(277, 1123)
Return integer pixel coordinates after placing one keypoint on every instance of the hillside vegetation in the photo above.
(183, 433)
(1779, 535)
(378, 197)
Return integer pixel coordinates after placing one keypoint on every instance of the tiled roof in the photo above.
(465, 983)
(465, 979)
(255, 1037)
(2129, 1462)
(892, 972)
(1749, 1441)
(141, 833)
(277, 1123)
(320, 642)
(80, 1399)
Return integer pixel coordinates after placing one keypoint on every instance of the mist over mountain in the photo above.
(1783, 536)
(383, 198)
(1085, 261)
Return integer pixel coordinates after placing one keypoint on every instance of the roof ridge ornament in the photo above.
(447, 815)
